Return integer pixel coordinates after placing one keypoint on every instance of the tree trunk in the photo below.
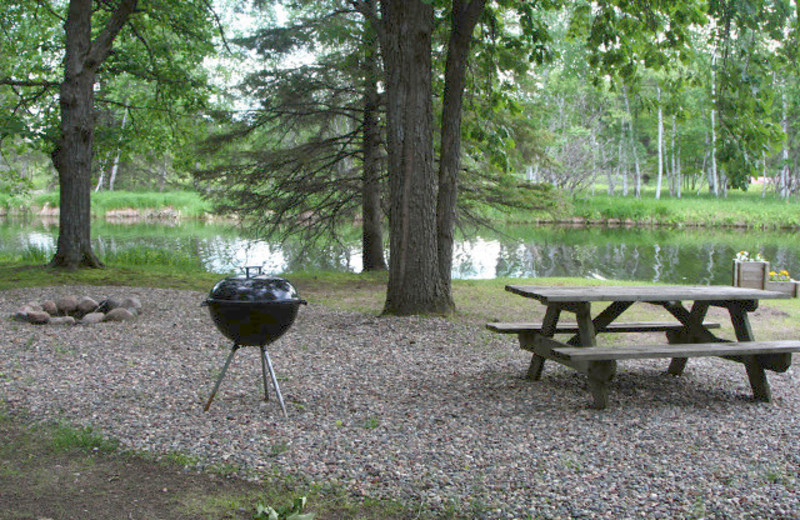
(464, 18)
(714, 175)
(660, 144)
(372, 221)
(414, 280)
(115, 166)
(102, 177)
(72, 156)
(785, 174)
(162, 178)
(637, 189)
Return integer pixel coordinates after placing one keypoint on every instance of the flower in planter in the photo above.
(780, 276)
(744, 256)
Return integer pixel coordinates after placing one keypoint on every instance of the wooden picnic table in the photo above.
(688, 336)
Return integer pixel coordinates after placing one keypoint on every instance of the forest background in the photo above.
(276, 111)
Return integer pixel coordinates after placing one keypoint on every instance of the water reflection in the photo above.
(670, 256)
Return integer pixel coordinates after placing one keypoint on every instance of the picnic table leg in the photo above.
(536, 367)
(758, 379)
(600, 373)
(744, 332)
(753, 364)
(526, 341)
(678, 364)
(693, 321)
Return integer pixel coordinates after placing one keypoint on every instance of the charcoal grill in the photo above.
(253, 311)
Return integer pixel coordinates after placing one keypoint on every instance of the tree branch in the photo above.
(101, 46)
(28, 83)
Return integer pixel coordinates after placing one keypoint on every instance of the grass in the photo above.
(60, 470)
(188, 203)
(737, 209)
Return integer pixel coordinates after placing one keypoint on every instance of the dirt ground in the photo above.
(41, 478)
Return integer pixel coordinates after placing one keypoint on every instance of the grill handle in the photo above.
(258, 268)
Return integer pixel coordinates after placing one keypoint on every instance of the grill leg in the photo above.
(219, 379)
(274, 381)
(264, 373)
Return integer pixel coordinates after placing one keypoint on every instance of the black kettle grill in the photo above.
(253, 311)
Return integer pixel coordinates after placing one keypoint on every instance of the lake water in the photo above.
(662, 255)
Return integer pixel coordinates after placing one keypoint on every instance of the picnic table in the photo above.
(688, 335)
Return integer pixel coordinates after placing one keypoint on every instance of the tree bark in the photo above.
(660, 145)
(72, 156)
(637, 189)
(372, 221)
(414, 281)
(464, 18)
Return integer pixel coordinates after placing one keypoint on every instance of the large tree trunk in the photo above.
(464, 18)
(414, 282)
(372, 230)
(72, 156)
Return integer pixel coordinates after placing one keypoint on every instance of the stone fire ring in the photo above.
(71, 310)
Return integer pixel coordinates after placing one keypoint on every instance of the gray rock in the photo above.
(119, 314)
(34, 306)
(37, 317)
(92, 318)
(67, 305)
(25, 309)
(132, 302)
(50, 307)
(63, 320)
(110, 304)
(86, 305)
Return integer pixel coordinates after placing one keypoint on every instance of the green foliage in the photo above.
(65, 437)
(293, 512)
(154, 80)
(188, 204)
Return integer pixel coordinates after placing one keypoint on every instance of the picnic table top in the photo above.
(647, 293)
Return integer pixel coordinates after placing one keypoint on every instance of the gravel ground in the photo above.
(418, 409)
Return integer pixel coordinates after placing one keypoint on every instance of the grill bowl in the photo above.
(253, 323)
(253, 311)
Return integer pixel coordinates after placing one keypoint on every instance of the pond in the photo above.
(694, 256)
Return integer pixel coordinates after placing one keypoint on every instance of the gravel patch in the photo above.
(420, 409)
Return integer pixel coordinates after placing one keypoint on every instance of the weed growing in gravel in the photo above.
(66, 437)
(371, 423)
(224, 470)
(698, 509)
(775, 475)
(278, 448)
(182, 459)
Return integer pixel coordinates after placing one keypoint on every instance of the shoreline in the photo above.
(50, 215)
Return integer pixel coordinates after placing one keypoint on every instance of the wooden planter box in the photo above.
(753, 275)
(791, 288)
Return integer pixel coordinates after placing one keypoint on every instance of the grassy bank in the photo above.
(187, 204)
(740, 209)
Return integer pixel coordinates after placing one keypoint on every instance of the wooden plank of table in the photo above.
(656, 293)
(571, 327)
(746, 348)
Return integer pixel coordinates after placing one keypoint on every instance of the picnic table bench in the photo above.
(689, 336)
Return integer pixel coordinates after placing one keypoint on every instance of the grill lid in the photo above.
(258, 288)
